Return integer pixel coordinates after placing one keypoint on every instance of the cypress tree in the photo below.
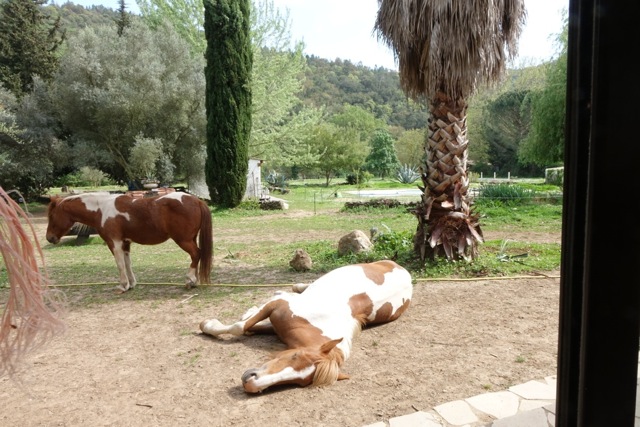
(28, 44)
(228, 99)
(124, 19)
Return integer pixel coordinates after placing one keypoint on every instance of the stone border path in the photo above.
(531, 404)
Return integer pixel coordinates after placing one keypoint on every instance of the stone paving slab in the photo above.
(417, 419)
(535, 390)
(457, 412)
(500, 404)
(531, 404)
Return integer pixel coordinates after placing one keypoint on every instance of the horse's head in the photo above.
(59, 222)
(301, 366)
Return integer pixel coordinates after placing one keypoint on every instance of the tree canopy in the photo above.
(111, 89)
(544, 146)
(280, 123)
(338, 150)
(506, 123)
(382, 159)
(29, 41)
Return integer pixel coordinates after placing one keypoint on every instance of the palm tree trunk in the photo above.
(446, 224)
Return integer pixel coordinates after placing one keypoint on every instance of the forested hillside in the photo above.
(335, 83)
(74, 17)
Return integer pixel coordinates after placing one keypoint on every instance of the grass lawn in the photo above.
(256, 239)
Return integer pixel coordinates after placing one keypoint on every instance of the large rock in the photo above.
(271, 203)
(354, 242)
(301, 261)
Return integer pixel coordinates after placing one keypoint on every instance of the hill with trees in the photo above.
(333, 84)
(74, 16)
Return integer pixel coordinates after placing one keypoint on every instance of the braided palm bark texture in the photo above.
(446, 224)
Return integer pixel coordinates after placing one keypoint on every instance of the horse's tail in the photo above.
(205, 242)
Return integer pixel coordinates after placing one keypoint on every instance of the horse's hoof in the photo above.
(211, 327)
(299, 287)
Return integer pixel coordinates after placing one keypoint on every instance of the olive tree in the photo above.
(112, 89)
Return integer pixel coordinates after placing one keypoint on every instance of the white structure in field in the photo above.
(254, 188)
(254, 180)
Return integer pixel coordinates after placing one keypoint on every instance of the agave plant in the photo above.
(408, 174)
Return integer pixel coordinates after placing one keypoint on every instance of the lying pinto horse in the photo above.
(120, 219)
(319, 324)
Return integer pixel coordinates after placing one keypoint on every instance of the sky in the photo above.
(343, 29)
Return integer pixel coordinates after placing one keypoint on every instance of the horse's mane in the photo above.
(54, 201)
(327, 369)
(32, 313)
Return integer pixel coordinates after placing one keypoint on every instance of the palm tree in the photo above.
(445, 49)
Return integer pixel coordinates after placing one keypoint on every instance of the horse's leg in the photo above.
(191, 247)
(118, 253)
(263, 326)
(215, 327)
(126, 248)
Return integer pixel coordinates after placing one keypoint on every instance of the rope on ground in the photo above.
(214, 285)
(477, 279)
(276, 285)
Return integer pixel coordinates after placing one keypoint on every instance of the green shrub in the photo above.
(92, 177)
(359, 177)
(504, 194)
(70, 180)
(249, 205)
(373, 204)
(387, 244)
(85, 177)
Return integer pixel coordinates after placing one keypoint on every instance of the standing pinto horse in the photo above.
(121, 220)
(319, 324)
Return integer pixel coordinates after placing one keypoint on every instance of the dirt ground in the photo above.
(145, 363)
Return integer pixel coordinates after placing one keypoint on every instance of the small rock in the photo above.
(354, 242)
(301, 261)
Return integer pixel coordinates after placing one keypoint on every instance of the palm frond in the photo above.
(450, 45)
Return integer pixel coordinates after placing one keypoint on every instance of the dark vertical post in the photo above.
(574, 209)
(600, 285)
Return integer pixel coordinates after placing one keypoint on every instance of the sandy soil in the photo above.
(143, 362)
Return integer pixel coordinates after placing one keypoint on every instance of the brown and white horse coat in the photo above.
(318, 325)
(120, 220)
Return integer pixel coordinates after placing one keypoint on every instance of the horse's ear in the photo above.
(329, 345)
(342, 376)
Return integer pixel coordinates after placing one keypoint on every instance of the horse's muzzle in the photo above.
(248, 379)
(53, 239)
